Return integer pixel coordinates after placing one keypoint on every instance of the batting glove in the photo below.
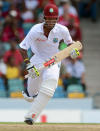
(32, 71)
(74, 53)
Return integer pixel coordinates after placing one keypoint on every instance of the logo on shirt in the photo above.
(55, 40)
(69, 41)
(40, 40)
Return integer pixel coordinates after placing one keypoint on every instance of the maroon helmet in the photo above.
(50, 15)
(51, 10)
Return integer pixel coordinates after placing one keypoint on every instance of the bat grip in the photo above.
(48, 63)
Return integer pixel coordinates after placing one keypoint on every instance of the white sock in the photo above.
(37, 106)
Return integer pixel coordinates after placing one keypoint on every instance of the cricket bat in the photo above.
(58, 57)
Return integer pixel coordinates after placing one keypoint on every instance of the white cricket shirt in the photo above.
(42, 46)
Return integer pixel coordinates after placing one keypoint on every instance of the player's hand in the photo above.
(74, 53)
(32, 71)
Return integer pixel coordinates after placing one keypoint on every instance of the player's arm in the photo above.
(74, 53)
(32, 71)
(24, 55)
(24, 46)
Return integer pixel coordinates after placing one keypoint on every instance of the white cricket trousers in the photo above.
(34, 85)
(45, 86)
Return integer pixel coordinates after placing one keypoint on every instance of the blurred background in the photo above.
(77, 98)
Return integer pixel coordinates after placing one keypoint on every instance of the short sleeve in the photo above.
(28, 40)
(67, 36)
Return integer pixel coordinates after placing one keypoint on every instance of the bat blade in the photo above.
(66, 52)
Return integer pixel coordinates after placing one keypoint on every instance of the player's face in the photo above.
(50, 22)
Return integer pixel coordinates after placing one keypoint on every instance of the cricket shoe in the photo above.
(29, 121)
(28, 98)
